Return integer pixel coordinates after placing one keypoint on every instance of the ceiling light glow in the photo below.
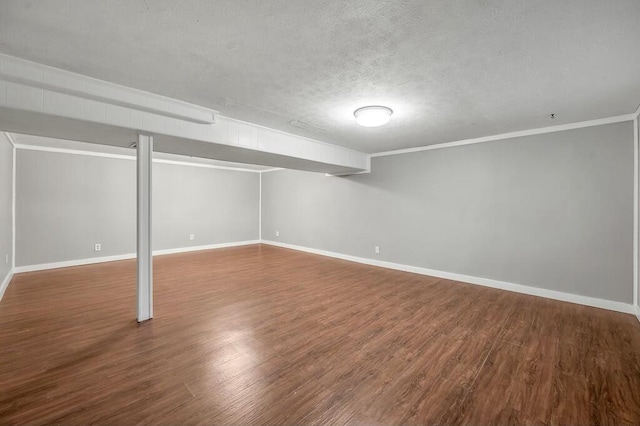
(373, 116)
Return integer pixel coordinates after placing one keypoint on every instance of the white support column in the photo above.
(145, 256)
(636, 212)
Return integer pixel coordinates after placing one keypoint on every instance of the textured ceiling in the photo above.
(450, 69)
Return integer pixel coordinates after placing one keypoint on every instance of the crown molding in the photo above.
(10, 139)
(275, 169)
(130, 157)
(510, 135)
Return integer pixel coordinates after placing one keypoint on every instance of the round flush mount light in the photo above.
(373, 116)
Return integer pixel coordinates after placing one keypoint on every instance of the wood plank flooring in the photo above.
(265, 335)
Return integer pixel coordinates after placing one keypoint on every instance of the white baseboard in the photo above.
(518, 288)
(5, 283)
(205, 247)
(92, 260)
(68, 263)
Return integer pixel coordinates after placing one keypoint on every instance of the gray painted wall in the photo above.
(66, 203)
(636, 123)
(553, 211)
(6, 206)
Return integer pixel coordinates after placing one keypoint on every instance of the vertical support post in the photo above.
(260, 209)
(144, 250)
(636, 210)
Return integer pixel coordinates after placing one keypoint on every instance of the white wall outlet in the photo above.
(192, 237)
(377, 249)
(97, 247)
(6, 258)
(277, 233)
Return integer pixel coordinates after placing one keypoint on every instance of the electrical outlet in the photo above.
(97, 247)
(277, 233)
(377, 249)
(192, 237)
(6, 258)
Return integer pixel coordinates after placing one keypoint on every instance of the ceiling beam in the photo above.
(41, 100)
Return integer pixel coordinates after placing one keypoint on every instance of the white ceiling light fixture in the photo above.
(373, 116)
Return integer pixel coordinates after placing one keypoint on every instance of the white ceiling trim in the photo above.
(130, 157)
(205, 166)
(510, 135)
(10, 139)
(28, 73)
(284, 134)
(30, 92)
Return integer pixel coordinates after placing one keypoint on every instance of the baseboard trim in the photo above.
(486, 282)
(69, 263)
(205, 247)
(5, 283)
(92, 260)
(637, 308)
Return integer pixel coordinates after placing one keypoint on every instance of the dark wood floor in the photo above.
(264, 335)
